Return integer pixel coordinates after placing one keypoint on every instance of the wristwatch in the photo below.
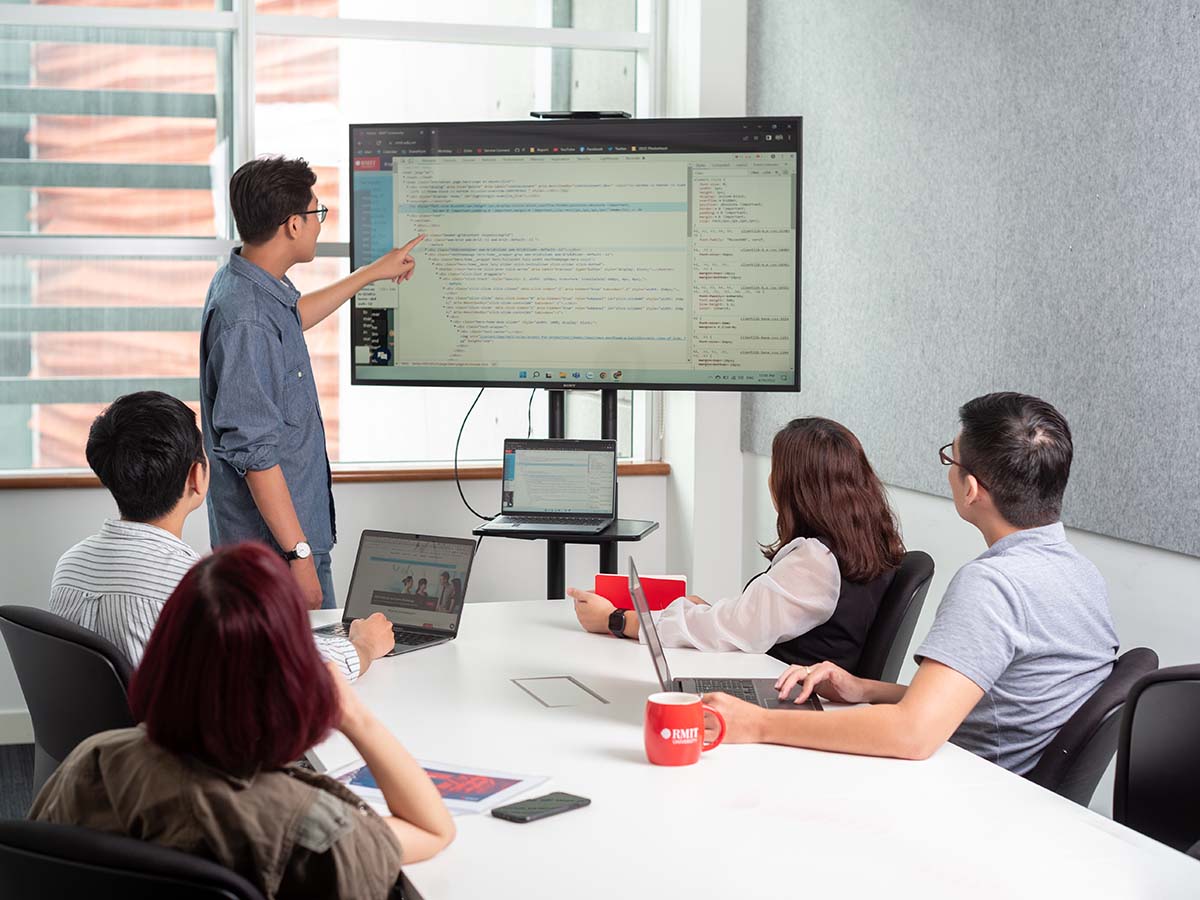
(300, 551)
(616, 622)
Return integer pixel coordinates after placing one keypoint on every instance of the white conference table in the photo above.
(747, 821)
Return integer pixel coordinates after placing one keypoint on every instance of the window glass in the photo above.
(75, 333)
(110, 132)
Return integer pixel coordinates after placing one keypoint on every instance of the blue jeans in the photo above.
(325, 576)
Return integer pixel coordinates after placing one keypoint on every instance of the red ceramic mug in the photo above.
(675, 729)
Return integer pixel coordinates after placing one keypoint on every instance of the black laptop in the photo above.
(759, 691)
(419, 581)
(556, 486)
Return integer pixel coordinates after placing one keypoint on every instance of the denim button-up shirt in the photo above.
(259, 406)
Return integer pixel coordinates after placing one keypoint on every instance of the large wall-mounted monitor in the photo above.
(651, 253)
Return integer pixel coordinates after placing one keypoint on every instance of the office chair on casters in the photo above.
(41, 859)
(74, 681)
(1157, 790)
(1075, 760)
(887, 641)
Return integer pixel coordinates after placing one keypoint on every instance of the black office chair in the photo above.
(1075, 760)
(74, 681)
(887, 641)
(1157, 789)
(40, 859)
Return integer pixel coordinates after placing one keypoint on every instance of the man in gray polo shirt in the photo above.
(1022, 637)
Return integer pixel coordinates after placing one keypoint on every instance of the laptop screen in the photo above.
(559, 477)
(418, 581)
(649, 630)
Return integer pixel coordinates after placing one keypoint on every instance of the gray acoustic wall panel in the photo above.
(999, 195)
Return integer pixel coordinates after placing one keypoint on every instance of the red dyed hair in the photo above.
(825, 488)
(231, 674)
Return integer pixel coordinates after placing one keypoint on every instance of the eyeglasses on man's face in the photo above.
(948, 460)
(320, 212)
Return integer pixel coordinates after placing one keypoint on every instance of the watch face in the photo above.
(303, 551)
(616, 621)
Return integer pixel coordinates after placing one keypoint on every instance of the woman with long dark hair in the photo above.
(836, 550)
(230, 691)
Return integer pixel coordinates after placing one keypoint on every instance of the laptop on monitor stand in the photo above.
(418, 581)
(759, 691)
(556, 486)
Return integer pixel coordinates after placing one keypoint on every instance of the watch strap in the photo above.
(292, 555)
(616, 622)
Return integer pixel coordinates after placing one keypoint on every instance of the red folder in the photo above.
(660, 591)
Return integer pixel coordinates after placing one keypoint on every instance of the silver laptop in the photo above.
(556, 486)
(759, 691)
(419, 581)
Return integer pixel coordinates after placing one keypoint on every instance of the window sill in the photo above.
(342, 474)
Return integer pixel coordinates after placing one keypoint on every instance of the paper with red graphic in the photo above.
(465, 790)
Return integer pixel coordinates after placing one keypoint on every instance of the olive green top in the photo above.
(290, 832)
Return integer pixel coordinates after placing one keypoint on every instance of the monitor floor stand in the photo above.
(556, 551)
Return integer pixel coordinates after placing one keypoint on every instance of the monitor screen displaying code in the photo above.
(581, 253)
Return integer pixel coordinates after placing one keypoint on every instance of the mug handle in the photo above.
(720, 734)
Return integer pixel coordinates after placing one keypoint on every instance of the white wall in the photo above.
(1154, 594)
(37, 526)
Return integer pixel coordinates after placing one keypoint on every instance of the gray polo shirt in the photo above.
(1028, 621)
(259, 406)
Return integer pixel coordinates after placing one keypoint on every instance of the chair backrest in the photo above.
(74, 681)
(1157, 789)
(1075, 760)
(887, 641)
(41, 859)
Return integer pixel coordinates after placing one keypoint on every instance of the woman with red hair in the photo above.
(836, 551)
(230, 691)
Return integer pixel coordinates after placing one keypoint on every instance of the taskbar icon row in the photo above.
(563, 375)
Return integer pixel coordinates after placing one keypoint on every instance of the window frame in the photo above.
(244, 25)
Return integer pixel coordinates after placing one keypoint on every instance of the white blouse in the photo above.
(796, 594)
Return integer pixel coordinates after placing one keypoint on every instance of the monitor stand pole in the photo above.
(556, 579)
(608, 432)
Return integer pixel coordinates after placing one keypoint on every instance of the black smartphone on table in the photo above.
(539, 807)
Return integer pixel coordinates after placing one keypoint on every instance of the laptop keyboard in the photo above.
(411, 639)
(560, 520)
(408, 638)
(736, 687)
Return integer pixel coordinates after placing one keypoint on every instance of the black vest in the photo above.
(841, 639)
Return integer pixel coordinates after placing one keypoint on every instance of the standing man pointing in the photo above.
(259, 409)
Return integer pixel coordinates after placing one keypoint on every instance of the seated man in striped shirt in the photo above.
(146, 449)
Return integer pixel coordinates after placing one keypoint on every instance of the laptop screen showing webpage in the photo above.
(559, 477)
(418, 581)
(649, 630)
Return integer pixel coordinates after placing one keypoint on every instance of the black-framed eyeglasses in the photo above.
(948, 460)
(321, 212)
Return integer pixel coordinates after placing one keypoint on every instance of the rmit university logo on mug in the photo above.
(681, 735)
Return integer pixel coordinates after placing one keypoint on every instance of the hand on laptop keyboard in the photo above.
(735, 687)
(373, 635)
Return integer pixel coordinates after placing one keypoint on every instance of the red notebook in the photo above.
(660, 591)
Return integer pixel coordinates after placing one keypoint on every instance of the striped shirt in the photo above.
(116, 582)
